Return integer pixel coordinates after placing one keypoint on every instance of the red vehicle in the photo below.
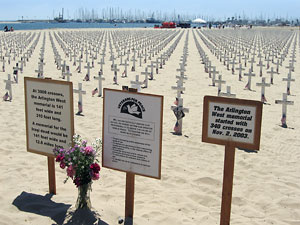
(168, 25)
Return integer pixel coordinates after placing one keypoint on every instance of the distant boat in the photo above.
(152, 20)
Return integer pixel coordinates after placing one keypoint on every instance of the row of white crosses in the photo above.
(240, 50)
(41, 63)
(25, 55)
(208, 68)
(280, 58)
(179, 110)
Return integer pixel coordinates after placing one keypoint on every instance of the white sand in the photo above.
(266, 184)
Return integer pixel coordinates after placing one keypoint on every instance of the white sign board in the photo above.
(49, 114)
(132, 132)
(232, 120)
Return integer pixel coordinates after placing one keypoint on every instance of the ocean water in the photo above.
(44, 25)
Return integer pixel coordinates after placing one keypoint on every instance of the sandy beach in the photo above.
(266, 183)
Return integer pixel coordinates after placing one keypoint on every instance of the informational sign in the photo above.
(132, 132)
(49, 114)
(232, 120)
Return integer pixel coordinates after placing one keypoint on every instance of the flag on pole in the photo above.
(6, 96)
(79, 107)
(86, 78)
(283, 120)
(263, 98)
(177, 127)
(95, 91)
(247, 86)
(176, 102)
(240, 77)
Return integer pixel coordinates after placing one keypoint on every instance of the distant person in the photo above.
(209, 26)
(6, 29)
(11, 29)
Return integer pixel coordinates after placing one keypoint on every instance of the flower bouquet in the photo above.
(81, 166)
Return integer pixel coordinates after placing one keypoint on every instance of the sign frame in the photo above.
(233, 101)
(71, 117)
(160, 129)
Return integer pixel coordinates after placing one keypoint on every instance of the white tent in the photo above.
(198, 20)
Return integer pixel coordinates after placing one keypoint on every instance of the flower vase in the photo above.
(83, 199)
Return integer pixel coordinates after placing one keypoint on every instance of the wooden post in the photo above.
(129, 196)
(51, 175)
(227, 184)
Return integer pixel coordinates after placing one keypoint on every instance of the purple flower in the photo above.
(77, 181)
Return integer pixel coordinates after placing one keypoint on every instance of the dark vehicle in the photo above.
(184, 25)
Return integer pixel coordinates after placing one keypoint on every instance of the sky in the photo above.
(218, 9)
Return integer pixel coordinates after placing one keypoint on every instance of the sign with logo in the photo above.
(132, 132)
(49, 114)
(232, 120)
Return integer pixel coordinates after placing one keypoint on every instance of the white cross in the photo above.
(215, 72)
(179, 88)
(272, 72)
(277, 65)
(252, 61)
(180, 107)
(125, 64)
(115, 70)
(261, 65)
(240, 69)
(100, 78)
(263, 84)
(16, 72)
(284, 103)
(289, 79)
(220, 82)
(79, 66)
(80, 93)
(101, 65)
(151, 66)
(8, 86)
(146, 73)
(88, 67)
(249, 75)
(227, 93)
(136, 84)
(3, 64)
(68, 74)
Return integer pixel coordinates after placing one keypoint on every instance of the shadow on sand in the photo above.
(59, 212)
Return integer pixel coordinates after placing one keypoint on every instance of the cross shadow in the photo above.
(59, 212)
(248, 150)
(292, 128)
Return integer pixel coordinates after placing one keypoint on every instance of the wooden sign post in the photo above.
(132, 137)
(233, 123)
(49, 119)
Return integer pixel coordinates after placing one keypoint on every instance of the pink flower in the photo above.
(95, 167)
(89, 150)
(59, 158)
(70, 171)
(95, 176)
(62, 165)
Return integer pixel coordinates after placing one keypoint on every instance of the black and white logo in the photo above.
(132, 107)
